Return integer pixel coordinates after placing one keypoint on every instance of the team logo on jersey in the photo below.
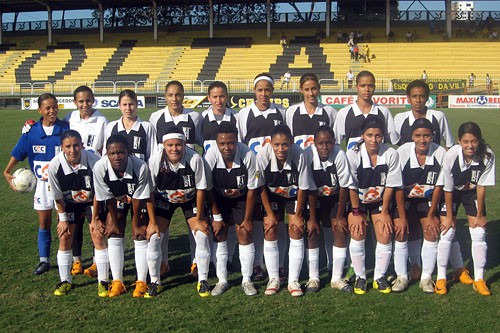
(257, 174)
(188, 180)
(277, 122)
(90, 140)
(187, 131)
(39, 149)
(88, 184)
(240, 181)
(291, 177)
(383, 178)
(474, 177)
(137, 142)
(130, 188)
(431, 177)
(322, 123)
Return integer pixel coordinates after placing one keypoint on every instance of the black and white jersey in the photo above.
(419, 181)
(255, 126)
(304, 125)
(330, 175)
(189, 121)
(350, 119)
(141, 137)
(178, 183)
(72, 183)
(462, 176)
(92, 129)
(440, 128)
(134, 183)
(295, 174)
(235, 181)
(210, 123)
(371, 181)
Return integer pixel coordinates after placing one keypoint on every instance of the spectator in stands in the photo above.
(286, 79)
(472, 80)
(367, 54)
(488, 83)
(409, 36)
(390, 36)
(340, 37)
(350, 79)
(493, 36)
(345, 37)
(361, 37)
(283, 41)
(356, 52)
(369, 37)
(424, 76)
(432, 26)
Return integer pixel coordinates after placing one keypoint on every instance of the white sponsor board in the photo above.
(101, 102)
(391, 101)
(467, 101)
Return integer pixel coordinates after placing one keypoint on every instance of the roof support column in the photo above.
(1, 30)
(328, 16)
(268, 18)
(211, 19)
(155, 21)
(101, 21)
(387, 17)
(49, 23)
(448, 17)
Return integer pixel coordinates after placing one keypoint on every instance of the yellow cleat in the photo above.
(103, 288)
(463, 275)
(117, 288)
(481, 287)
(140, 289)
(203, 288)
(91, 271)
(77, 268)
(62, 288)
(440, 287)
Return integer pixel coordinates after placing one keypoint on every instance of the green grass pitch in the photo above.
(28, 304)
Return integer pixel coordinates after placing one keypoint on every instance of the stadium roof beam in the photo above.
(101, 20)
(49, 18)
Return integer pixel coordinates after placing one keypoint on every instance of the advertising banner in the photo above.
(390, 101)
(399, 85)
(467, 101)
(101, 102)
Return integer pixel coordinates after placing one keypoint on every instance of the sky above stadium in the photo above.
(403, 5)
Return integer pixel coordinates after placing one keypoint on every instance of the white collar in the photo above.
(303, 110)
(365, 158)
(463, 164)
(135, 127)
(357, 111)
(129, 170)
(257, 112)
(236, 160)
(225, 117)
(274, 161)
(414, 160)
(317, 163)
(68, 169)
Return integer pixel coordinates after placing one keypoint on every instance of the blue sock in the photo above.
(44, 240)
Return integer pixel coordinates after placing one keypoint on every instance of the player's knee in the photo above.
(449, 236)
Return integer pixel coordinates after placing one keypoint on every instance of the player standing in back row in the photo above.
(255, 124)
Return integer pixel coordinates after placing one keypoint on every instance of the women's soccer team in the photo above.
(261, 169)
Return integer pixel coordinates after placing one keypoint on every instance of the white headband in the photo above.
(174, 136)
(262, 77)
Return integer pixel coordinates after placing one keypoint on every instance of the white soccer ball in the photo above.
(24, 180)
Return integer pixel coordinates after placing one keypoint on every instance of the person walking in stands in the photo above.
(488, 84)
(40, 144)
(286, 79)
(255, 124)
(468, 169)
(350, 79)
(472, 80)
(424, 76)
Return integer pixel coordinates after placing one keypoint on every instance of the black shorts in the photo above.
(166, 209)
(280, 206)
(232, 210)
(372, 208)
(78, 212)
(466, 198)
(414, 207)
(327, 208)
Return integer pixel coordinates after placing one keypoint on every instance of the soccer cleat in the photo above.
(220, 288)
(203, 288)
(249, 288)
(103, 288)
(272, 287)
(312, 286)
(140, 289)
(258, 274)
(481, 287)
(91, 271)
(350, 276)
(341, 285)
(415, 272)
(164, 269)
(427, 286)
(463, 275)
(400, 284)
(62, 288)
(360, 286)
(77, 268)
(117, 288)
(295, 289)
(382, 285)
(42, 267)
(153, 290)
(440, 287)
(194, 270)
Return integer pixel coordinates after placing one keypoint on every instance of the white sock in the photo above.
(479, 249)
(429, 255)
(164, 246)
(247, 253)
(221, 261)
(401, 259)
(357, 251)
(64, 261)
(141, 259)
(339, 255)
(102, 263)
(232, 240)
(295, 259)
(154, 257)
(202, 255)
(271, 254)
(456, 259)
(443, 253)
(382, 259)
(313, 263)
(414, 250)
(328, 241)
(192, 245)
(258, 241)
(282, 242)
(116, 257)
